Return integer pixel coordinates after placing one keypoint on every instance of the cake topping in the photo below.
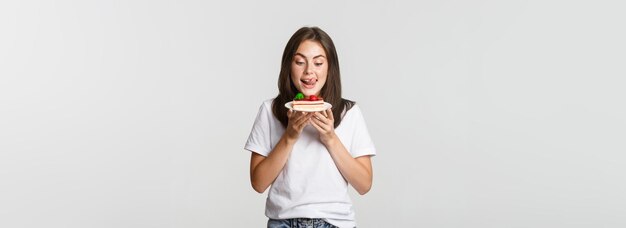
(299, 96)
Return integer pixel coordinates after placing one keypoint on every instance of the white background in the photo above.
(484, 113)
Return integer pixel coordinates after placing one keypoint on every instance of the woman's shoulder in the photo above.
(265, 110)
(266, 106)
(268, 102)
(351, 108)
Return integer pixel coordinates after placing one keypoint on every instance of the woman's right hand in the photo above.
(297, 122)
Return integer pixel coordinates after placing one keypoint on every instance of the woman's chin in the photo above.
(309, 92)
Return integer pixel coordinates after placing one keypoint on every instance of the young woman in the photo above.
(309, 158)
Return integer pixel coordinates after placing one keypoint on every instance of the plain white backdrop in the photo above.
(484, 113)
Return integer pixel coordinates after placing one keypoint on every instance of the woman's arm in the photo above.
(264, 170)
(357, 171)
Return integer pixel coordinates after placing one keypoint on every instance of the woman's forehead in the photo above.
(310, 49)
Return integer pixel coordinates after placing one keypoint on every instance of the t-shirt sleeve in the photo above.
(362, 143)
(259, 139)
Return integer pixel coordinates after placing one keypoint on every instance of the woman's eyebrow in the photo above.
(303, 56)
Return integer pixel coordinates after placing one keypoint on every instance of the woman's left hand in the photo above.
(325, 125)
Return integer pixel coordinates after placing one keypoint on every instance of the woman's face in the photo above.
(309, 68)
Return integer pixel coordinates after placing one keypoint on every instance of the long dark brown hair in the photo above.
(330, 92)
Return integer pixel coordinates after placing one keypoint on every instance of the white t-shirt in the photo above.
(310, 185)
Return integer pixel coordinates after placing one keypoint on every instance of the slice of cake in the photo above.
(308, 104)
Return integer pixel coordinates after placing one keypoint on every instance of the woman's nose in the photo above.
(308, 69)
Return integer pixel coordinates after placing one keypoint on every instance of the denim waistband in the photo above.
(299, 223)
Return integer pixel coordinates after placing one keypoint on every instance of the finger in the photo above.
(322, 126)
(315, 123)
(296, 118)
(296, 115)
(289, 113)
(302, 115)
(329, 113)
(301, 120)
(319, 116)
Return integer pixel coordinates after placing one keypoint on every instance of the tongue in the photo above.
(310, 81)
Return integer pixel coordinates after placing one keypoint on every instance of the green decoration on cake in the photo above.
(299, 96)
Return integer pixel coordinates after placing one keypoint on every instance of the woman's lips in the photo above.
(309, 83)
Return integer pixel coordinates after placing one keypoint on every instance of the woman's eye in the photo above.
(318, 64)
(299, 63)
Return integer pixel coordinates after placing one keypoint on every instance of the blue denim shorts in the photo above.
(299, 223)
